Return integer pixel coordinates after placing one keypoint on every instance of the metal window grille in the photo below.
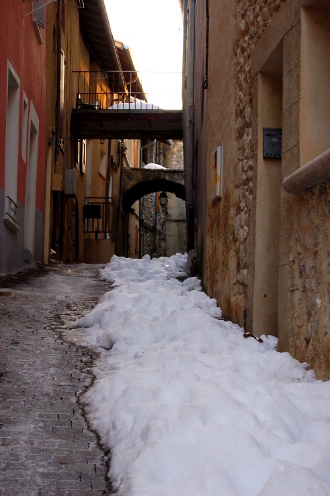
(100, 215)
(11, 208)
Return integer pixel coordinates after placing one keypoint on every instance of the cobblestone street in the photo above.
(46, 447)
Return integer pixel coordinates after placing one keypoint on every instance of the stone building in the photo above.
(257, 96)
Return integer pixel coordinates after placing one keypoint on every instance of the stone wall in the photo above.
(304, 291)
(172, 159)
(252, 18)
(229, 221)
(264, 41)
(310, 339)
(150, 244)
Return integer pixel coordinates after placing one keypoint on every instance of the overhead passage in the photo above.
(126, 124)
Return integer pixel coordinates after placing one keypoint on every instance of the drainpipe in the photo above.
(191, 117)
(107, 191)
(156, 219)
(58, 80)
(156, 203)
(206, 77)
(122, 149)
(184, 58)
(140, 234)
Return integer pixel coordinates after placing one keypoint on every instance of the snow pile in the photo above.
(187, 405)
(153, 166)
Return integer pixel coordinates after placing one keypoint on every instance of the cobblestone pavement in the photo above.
(46, 447)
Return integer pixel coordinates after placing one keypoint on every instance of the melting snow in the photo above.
(187, 405)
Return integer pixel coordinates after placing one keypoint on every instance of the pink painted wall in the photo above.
(19, 44)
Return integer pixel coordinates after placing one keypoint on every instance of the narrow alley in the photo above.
(46, 447)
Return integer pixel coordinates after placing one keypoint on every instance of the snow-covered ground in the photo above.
(187, 405)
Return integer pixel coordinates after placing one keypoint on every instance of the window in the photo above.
(39, 13)
(24, 126)
(39, 18)
(31, 181)
(103, 159)
(89, 149)
(81, 155)
(110, 187)
(62, 88)
(11, 152)
(315, 74)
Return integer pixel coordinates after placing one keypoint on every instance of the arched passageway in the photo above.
(140, 182)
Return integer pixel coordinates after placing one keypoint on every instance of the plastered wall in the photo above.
(267, 259)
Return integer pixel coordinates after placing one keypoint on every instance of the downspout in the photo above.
(156, 220)
(156, 203)
(184, 59)
(58, 79)
(206, 77)
(107, 191)
(191, 129)
(140, 234)
(122, 149)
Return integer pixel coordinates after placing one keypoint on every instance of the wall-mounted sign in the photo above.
(272, 143)
(216, 173)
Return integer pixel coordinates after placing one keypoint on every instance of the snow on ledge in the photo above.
(153, 166)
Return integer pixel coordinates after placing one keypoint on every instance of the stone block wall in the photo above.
(267, 43)
(303, 265)
(252, 17)
(310, 340)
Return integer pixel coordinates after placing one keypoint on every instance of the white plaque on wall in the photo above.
(216, 172)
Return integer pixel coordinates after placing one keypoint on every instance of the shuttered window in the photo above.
(39, 13)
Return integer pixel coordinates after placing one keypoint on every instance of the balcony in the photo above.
(104, 90)
(105, 110)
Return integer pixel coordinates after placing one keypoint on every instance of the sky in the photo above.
(190, 404)
(153, 31)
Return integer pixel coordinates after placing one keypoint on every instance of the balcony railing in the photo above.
(100, 214)
(104, 90)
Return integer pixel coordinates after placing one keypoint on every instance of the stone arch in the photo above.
(141, 189)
